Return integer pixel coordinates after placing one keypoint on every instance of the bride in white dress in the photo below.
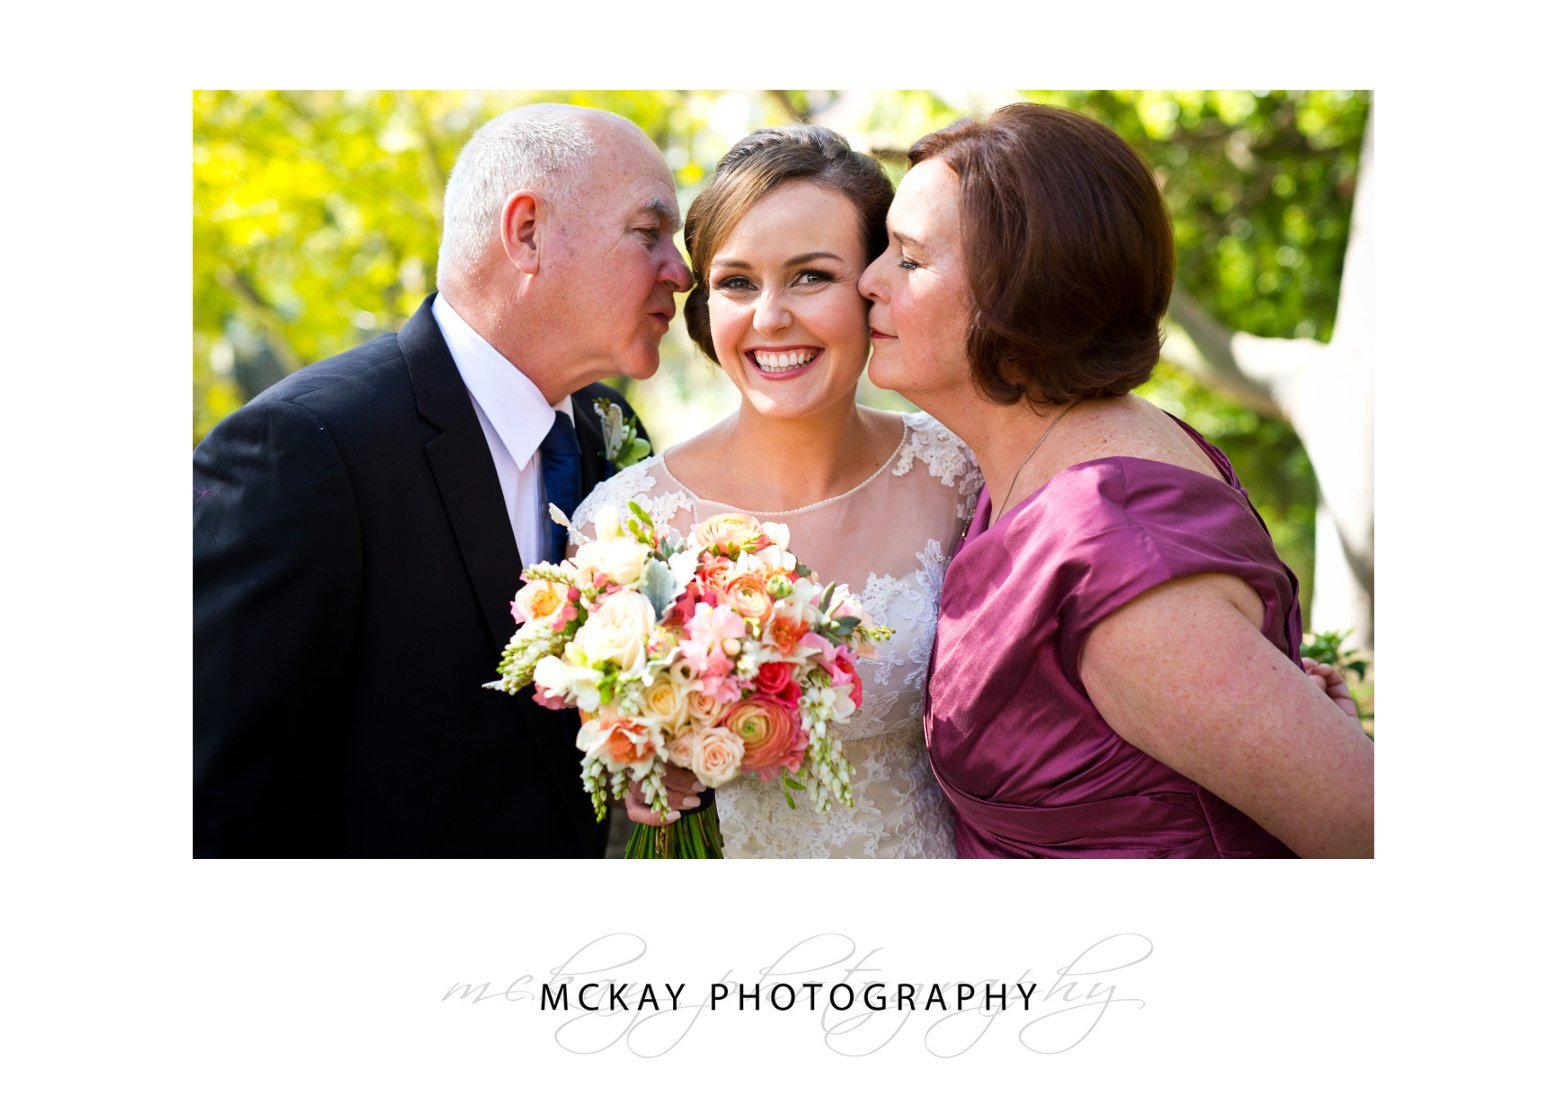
(872, 499)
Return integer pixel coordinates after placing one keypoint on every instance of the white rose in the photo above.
(778, 533)
(617, 631)
(716, 754)
(619, 558)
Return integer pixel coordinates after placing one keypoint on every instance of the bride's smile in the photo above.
(783, 364)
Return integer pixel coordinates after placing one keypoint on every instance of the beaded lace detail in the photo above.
(892, 535)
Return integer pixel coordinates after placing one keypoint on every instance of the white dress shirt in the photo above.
(515, 417)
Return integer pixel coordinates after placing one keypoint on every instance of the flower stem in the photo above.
(694, 835)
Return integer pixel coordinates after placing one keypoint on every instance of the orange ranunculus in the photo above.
(747, 595)
(728, 533)
(771, 733)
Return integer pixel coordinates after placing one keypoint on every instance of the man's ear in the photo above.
(520, 231)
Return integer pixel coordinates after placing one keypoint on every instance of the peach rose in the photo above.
(717, 755)
(682, 749)
(702, 707)
(538, 599)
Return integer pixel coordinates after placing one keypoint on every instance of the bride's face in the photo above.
(787, 319)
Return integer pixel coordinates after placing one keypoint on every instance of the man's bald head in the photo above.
(545, 149)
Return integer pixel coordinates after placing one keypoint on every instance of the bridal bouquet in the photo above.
(719, 654)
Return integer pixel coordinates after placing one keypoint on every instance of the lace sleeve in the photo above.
(631, 484)
(650, 486)
(945, 456)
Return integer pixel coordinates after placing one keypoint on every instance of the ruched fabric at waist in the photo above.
(1155, 824)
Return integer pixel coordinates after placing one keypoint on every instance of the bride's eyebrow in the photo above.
(802, 258)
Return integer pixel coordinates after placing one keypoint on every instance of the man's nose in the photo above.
(678, 273)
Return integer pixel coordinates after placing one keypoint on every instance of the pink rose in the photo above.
(776, 678)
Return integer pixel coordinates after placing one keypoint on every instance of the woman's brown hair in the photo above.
(1068, 249)
(759, 164)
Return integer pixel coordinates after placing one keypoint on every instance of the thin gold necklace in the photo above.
(1003, 505)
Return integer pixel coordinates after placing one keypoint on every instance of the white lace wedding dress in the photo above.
(890, 539)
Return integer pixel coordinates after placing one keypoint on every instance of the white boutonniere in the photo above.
(618, 448)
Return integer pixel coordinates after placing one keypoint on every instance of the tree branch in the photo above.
(1206, 349)
(263, 314)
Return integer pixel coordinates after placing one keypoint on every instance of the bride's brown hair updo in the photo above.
(755, 167)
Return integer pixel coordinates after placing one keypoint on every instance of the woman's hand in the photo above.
(1327, 677)
(680, 785)
(1183, 673)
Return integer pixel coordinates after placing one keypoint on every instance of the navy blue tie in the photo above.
(562, 462)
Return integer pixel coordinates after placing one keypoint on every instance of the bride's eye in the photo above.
(733, 283)
(811, 277)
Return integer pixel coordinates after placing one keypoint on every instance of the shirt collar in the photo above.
(511, 402)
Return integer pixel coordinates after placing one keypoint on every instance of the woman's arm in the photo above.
(1183, 673)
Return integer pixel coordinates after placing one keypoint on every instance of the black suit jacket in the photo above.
(353, 570)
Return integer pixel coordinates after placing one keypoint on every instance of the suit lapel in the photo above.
(464, 472)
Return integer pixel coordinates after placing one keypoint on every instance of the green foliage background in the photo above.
(317, 219)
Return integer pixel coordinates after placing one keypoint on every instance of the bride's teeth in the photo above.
(777, 362)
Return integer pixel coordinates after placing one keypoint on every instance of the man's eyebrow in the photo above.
(905, 239)
(664, 211)
(804, 257)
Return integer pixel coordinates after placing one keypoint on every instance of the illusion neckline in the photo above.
(903, 438)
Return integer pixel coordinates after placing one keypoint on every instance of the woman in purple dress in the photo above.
(1116, 668)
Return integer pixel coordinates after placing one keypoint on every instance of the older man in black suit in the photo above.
(360, 527)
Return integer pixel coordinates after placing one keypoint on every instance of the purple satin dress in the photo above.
(1030, 767)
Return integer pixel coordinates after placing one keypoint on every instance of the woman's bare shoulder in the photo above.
(1127, 427)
